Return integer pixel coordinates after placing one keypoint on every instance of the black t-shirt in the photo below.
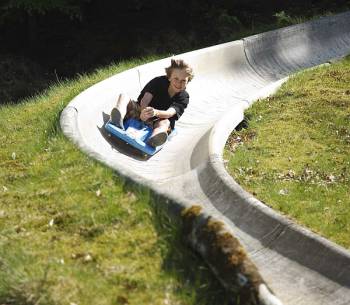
(161, 100)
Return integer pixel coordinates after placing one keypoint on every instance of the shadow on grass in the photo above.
(191, 270)
(185, 265)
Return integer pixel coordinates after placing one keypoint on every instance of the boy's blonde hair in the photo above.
(181, 65)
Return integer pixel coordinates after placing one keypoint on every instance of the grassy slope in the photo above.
(72, 231)
(295, 154)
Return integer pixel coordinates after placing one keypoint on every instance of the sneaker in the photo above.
(157, 139)
(116, 118)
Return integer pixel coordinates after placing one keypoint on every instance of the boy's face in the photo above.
(178, 80)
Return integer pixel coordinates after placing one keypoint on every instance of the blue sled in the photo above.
(136, 133)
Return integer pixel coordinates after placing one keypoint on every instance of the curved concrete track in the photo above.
(299, 266)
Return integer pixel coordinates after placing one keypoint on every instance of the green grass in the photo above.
(72, 231)
(295, 153)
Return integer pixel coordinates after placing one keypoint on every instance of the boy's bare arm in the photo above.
(165, 114)
(146, 99)
(150, 112)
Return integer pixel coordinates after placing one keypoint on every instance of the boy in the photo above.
(161, 102)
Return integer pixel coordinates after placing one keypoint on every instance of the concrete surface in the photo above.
(300, 267)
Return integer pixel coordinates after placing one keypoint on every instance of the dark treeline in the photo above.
(44, 40)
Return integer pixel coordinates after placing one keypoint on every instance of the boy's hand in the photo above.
(147, 113)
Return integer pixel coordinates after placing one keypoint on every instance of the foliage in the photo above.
(72, 8)
(60, 38)
(284, 19)
(20, 77)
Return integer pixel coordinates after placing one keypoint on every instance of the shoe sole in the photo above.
(158, 139)
(116, 118)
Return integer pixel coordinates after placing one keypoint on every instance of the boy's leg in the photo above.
(160, 133)
(133, 110)
(119, 111)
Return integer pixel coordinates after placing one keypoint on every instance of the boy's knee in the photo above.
(163, 123)
(133, 110)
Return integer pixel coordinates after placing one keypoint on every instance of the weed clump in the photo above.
(224, 254)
